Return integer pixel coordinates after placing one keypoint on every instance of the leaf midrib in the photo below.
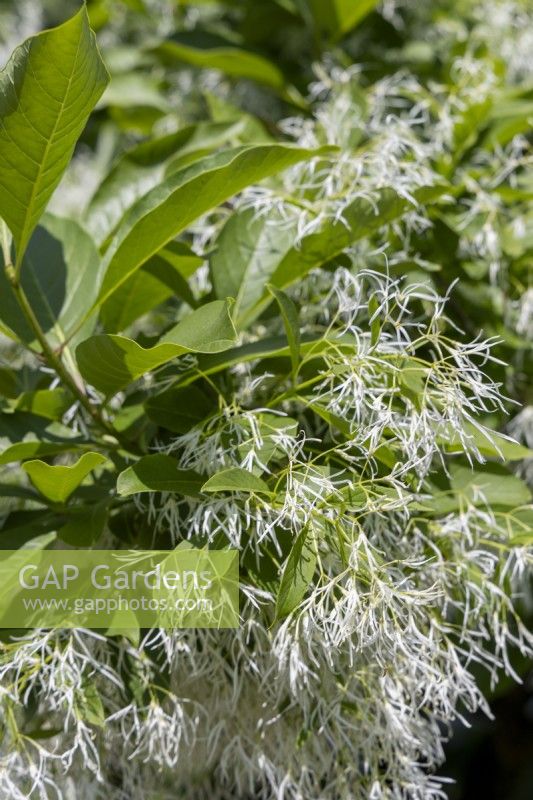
(34, 191)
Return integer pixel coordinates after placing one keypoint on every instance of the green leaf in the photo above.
(291, 323)
(28, 528)
(44, 733)
(170, 207)
(520, 526)
(159, 279)
(264, 348)
(88, 704)
(158, 473)
(491, 444)
(492, 484)
(47, 91)
(179, 409)
(145, 165)
(134, 89)
(247, 252)
(338, 17)
(137, 296)
(297, 574)
(26, 435)
(85, 525)
(49, 403)
(110, 363)
(232, 61)
(235, 479)
(359, 220)
(30, 449)
(263, 439)
(58, 482)
(61, 275)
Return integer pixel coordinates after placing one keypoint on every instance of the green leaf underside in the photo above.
(170, 207)
(235, 479)
(57, 483)
(158, 473)
(110, 362)
(47, 91)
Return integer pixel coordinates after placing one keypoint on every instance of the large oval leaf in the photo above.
(110, 363)
(47, 90)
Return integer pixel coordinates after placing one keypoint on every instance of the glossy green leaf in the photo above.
(47, 91)
(158, 473)
(297, 573)
(58, 482)
(180, 199)
(110, 363)
(235, 479)
(49, 403)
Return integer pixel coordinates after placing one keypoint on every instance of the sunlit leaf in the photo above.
(47, 90)
(111, 362)
(58, 482)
